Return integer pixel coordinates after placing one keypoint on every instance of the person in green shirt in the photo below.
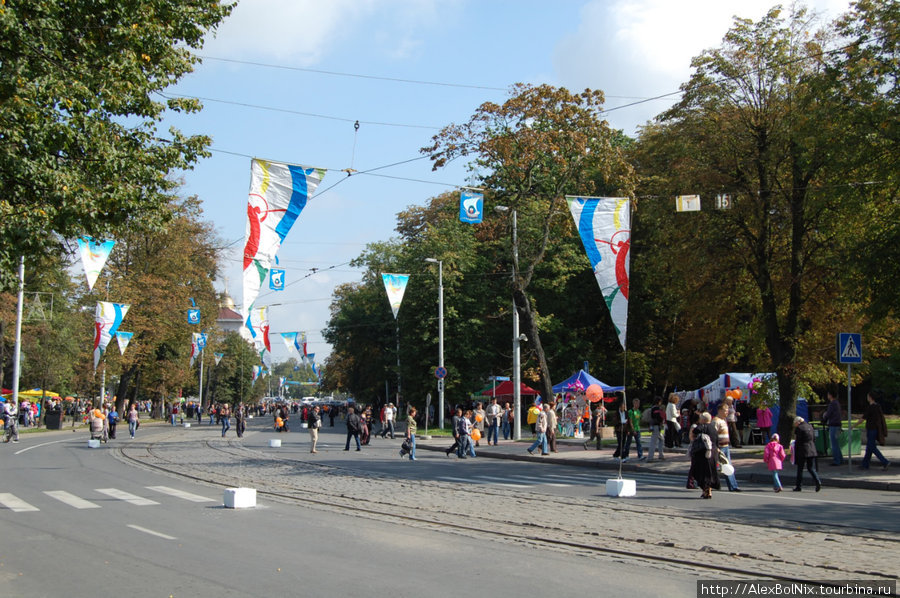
(634, 414)
(411, 433)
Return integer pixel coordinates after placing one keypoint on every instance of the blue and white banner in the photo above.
(471, 207)
(276, 279)
(193, 316)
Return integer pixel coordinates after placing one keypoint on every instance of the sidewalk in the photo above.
(747, 462)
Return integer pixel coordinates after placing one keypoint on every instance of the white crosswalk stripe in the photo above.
(71, 499)
(132, 499)
(16, 504)
(180, 494)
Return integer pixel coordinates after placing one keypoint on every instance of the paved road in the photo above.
(836, 506)
(79, 522)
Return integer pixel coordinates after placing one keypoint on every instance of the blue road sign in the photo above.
(849, 347)
(440, 373)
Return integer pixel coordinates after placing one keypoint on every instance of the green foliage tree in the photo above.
(759, 120)
(158, 273)
(532, 150)
(80, 103)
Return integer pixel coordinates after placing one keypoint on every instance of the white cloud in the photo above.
(643, 48)
(302, 32)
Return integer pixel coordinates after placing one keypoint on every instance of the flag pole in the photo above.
(17, 351)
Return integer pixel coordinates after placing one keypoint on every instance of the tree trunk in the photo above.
(526, 318)
(122, 388)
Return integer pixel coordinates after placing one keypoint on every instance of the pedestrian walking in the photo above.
(225, 418)
(354, 425)
(833, 419)
(240, 417)
(453, 429)
(773, 457)
(672, 425)
(634, 414)
(411, 434)
(805, 452)
(507, 421)
(387, 427)
(550, 410)
(478, 423)
(876, 430)
(133, 420)
(112, 419)
(10, 422)
(464, 432)
(764, 421)
(704, 456)
(493, 413)
(314, 422)
(540, 428)
(623, 430)
(657, 421)
(724, 443)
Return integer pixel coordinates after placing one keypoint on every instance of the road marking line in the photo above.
(180, 494)
(71, 499)
(16, 504)
(137, 501)
(151, 532)
(19, 452)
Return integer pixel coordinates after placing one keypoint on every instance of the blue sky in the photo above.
(630, 49)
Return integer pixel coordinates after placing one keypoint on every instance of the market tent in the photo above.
(505, 390)
(584, 379)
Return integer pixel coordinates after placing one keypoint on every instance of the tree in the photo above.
(80, 83)
(759, 119)
(529, 152)
(158, 273)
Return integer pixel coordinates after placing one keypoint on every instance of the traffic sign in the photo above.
(849, 347)
(440, 373)
(440, 385)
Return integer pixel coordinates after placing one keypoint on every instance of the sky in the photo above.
(285, 80)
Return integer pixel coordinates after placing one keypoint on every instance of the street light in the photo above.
(440, 264)
(517, 365)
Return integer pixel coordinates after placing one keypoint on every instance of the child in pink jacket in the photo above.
(774, 457)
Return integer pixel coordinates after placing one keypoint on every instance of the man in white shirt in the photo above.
(389, 413)
(493, 420)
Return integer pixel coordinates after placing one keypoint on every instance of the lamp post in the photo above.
(517, 365)
(440, 264)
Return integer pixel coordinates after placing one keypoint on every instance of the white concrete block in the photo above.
(187, 424)
(240, 498)
(621, 488)
(275, 443)
(94, 443)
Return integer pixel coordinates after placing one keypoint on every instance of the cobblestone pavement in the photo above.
(588, 526)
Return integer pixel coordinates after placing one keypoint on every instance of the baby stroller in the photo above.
(99, 431)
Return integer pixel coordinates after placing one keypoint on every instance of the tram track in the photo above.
(411, 503)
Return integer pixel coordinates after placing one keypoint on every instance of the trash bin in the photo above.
(53, 419)
(822, 441)
(856, 445)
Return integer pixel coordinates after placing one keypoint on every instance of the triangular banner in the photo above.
(218, 357)
(107, 319)
(93, 256)
(123, 338)
(278, 194)
(395, 285)
(604, 225)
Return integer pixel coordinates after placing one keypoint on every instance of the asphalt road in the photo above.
(79, 522)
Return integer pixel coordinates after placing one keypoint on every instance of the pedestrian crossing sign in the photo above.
(849, 347)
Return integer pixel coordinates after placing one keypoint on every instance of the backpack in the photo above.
(656, 415)
(702, 444)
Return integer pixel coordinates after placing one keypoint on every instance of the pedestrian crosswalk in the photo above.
(595, 478)
(16, 504)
